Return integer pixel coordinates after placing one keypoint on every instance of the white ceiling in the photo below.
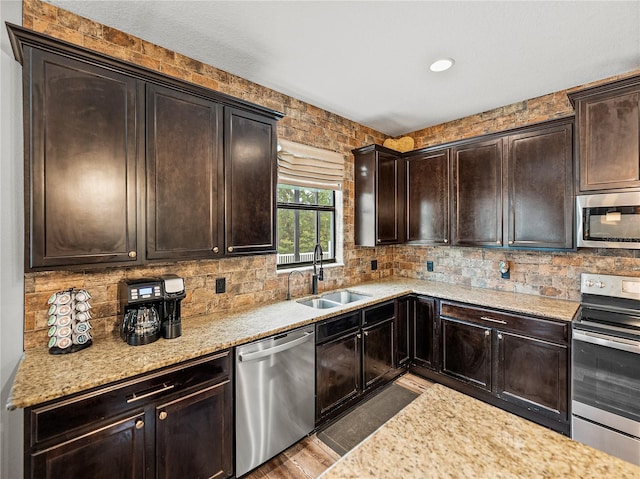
(369, 60)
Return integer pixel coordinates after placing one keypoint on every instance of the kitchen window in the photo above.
(306, 216)
(309, 203)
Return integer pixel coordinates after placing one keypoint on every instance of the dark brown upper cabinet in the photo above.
(125, 165)
(184, 175)
(477, 193)
(608, 135)
(81, 162)
(539, 206)
(428, 197)
(250, 183)
(379, 177)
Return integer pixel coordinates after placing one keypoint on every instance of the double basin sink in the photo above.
(333, 300)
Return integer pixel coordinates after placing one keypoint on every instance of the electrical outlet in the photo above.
(221, 285)
(374, 264)
(430, 266)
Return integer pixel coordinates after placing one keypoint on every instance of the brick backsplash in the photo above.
(552, 274)
(255, 280)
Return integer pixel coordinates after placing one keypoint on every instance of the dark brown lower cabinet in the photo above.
(193, 434)
(377, 351)
(466, 352)
(425, 333)
(338, 367)
(113, 450)
(516, 362)
(355, 354)
(533, 373)
(172, 423)
(403, 330)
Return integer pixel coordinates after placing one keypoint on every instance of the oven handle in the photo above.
(607, 341)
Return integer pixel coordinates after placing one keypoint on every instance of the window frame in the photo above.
(317, 208)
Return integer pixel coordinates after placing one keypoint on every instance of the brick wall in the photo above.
(255, 280)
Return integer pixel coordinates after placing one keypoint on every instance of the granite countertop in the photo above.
(444, 434)
(43, 377)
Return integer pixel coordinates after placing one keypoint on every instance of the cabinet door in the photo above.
(403, 331)
(389, 199)
(540, 197)
(466, 352)
(425, 344)
(608, 125)
(428, 198)
(194, 435)
(338, 375)
(377, 351)
(477, 194)
(250, 183)
(82, 160)
(533, 373)
(184, 175)
(114, 450)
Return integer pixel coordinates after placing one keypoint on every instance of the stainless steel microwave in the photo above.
(610, 220)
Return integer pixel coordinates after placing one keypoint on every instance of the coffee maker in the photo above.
(174, 293)
(142, 309)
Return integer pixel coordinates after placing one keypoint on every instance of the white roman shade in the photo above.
(307, 166)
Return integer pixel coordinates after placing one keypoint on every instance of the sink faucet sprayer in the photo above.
(316, 275)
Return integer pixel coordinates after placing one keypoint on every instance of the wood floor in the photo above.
(310, 457)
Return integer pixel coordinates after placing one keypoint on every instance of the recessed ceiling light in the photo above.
(442, 65)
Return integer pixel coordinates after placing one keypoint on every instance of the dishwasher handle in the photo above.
(245, 357)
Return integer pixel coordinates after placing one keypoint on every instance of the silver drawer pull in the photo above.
(491, 320)
(137, 397)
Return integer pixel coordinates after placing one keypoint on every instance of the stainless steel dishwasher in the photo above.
(275, 395)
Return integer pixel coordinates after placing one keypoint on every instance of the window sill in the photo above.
(337, 264)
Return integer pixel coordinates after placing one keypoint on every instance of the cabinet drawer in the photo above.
(540, 328)
(379, 313)
(334, 327)
(67, 416)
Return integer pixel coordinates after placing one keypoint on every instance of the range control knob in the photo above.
(588, 283)
(600, 284)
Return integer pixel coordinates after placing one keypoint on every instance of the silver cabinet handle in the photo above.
(491, 320)
(132, 254)
(139, 424)
(135, 397)
(216, 249)
(230, 249)
(163, 415)
(487, 332)
(446, 240)
(499, 335)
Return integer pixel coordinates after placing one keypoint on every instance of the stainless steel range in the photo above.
(606, 366)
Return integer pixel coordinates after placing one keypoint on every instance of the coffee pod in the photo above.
(80, 328)
(52, 320)
(82, 295)
(83, 306)
(63, 331)
(63, 320)
(64, 343)
(63, 309)
(81, 338)
(83, 316)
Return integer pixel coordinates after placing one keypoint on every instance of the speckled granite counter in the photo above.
(444, 434)
(42, 377)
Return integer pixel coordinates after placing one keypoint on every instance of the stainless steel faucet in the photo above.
(317, 275)
(289, 282)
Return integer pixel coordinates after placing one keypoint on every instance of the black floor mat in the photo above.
(350, 430)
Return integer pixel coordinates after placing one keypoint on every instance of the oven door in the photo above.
(606, 373)
(606, 392)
